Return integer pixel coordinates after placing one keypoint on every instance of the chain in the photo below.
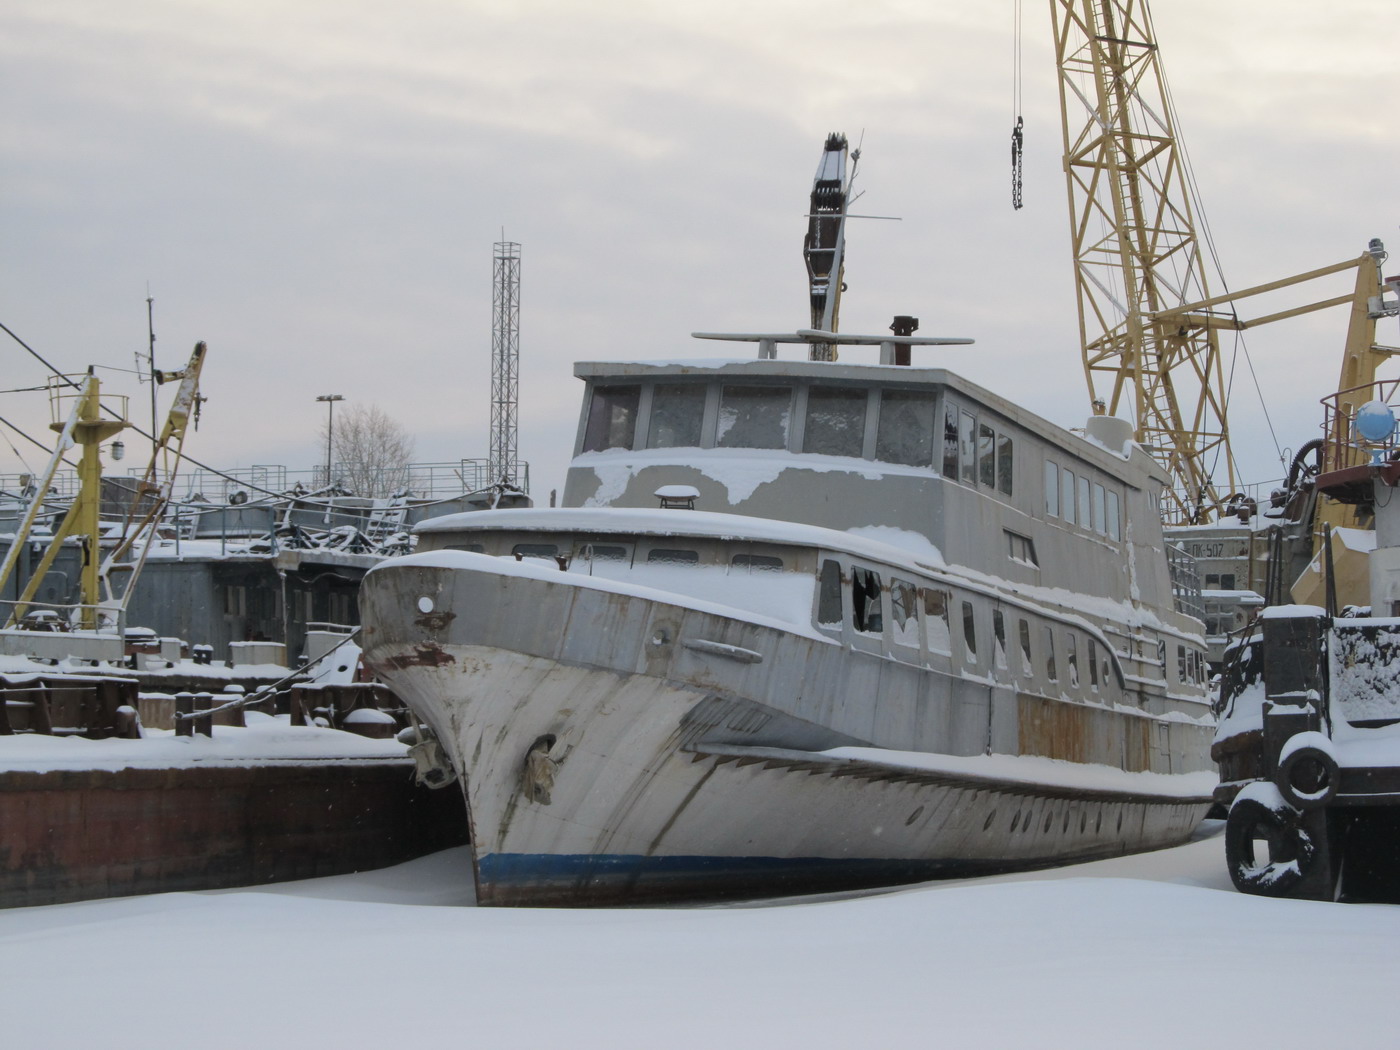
(1017, 142)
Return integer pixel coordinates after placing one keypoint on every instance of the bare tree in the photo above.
(372, 452)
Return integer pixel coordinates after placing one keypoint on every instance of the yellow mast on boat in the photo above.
(87, 428)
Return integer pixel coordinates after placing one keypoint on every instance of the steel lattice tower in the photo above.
(505, 365)
(1138, 260)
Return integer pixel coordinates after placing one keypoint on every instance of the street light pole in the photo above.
(330, 400)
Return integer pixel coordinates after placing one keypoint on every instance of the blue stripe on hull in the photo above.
(582, 879)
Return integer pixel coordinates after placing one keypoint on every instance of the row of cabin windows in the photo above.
(1222, 581)
(975, 452)
(1086, 663)
(835, 424)
(1076, 499)
(609, 552)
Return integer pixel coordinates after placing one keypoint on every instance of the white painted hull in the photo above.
(681, 772)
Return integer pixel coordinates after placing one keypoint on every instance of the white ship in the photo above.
(800, 626)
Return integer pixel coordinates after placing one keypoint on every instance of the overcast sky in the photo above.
(314, 188)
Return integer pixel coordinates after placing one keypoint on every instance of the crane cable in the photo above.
(1017, 130)
(1207, 237)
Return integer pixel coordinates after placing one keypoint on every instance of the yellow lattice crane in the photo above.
(1137, 257)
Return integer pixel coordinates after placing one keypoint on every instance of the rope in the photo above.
(268, 690)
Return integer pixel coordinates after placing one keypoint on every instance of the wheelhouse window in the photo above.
(986, 455)
(1072, 659)
(677, 412)
(969, 624)
(905, 430)
(950, 440)
(1067, 494)
(1024, 631)
(1052, 489)
(535, 550)
(1085, 513)
(1051, 672)
(754, 417)
(1115, 530)
(1100, 510)
(612, 418)
(1005, 464)
(967, 448)
(835, 421)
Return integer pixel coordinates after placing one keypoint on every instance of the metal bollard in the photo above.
(184, 707)
(203, 702)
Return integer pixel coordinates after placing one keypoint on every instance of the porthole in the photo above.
(1015, 821)
(425, 604)
(1048, 818)
(988, 822)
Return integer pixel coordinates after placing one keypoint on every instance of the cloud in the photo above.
(315, 188)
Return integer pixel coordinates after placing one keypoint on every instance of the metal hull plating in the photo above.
(681, 754)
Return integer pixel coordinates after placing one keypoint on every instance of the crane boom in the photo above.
(1136, 253)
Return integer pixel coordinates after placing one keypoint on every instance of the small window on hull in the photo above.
(829, 594)
(595, 552)
(969, 619)
(756, 563)
(904, 611)
(865, 601)
(665, 556)
(535, 550)
(936, 621)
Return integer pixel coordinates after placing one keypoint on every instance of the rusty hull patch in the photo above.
(429, 654)
(435, 621)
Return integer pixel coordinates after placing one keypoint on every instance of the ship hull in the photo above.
(620, 748)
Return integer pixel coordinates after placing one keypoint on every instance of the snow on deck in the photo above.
(1030, 769)
(265, 740)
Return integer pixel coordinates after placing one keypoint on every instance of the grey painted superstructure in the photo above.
(881, 648)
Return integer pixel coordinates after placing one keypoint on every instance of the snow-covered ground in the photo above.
(1149, 951)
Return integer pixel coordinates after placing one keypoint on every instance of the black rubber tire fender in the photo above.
(1292, 849)
(1295, 764)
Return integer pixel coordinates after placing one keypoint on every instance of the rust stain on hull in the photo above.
(435, 621)
(429, 654)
